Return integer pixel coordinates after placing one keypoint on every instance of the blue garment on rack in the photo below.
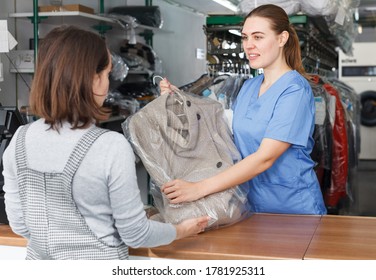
(285, 112)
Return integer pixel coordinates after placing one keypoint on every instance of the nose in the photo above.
(248, 44)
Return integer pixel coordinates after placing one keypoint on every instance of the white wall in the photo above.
(368, 35)
(176, 48)
(8, 86)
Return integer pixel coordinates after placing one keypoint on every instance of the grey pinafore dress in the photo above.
(57, 228)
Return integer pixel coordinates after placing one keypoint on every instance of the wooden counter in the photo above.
(344, 238)
(8, 238)
(266, 236)
(261, 236)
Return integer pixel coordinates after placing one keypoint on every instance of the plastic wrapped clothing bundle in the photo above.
(291, 7)
(185, 136)
(119, 68)
(146, 15)
(338, 15)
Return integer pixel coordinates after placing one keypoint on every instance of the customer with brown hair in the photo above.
(71, 187)
(273, 124)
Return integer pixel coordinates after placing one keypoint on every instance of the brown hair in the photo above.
(62, 88)
(279, 22)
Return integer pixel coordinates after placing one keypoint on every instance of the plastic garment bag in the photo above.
(185, 136)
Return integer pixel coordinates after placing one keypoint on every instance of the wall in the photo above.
(368, 35)
(176, 47)
(8, 86)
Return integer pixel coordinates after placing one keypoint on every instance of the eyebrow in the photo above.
(253, 33)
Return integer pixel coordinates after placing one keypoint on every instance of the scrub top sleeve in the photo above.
(293, 116)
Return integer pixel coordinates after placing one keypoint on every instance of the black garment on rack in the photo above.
(339, 174)
(199, 85)
(322, 150)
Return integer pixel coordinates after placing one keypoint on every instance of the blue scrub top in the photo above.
(285, 112)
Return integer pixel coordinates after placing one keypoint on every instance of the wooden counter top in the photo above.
(344, 238)
(7, 237)
(266, 236)
(262, 236)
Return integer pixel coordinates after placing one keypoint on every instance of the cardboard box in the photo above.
(72, 7)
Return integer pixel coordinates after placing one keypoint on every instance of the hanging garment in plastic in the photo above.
(185, 136)
(339, 172)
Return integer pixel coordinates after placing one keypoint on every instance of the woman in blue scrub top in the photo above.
(273, 123)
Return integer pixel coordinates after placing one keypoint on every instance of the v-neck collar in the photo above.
(272, 85)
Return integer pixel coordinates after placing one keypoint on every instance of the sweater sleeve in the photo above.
(135, 229)
(12, 198)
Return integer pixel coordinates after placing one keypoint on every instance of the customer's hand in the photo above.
(191, 227)
(166, 87)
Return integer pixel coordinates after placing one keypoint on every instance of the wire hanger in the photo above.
(174, 90)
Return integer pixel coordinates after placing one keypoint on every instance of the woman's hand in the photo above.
(166, 87)
(182, 191)
(191, 227)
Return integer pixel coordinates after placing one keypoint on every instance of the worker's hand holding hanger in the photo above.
(165, 86)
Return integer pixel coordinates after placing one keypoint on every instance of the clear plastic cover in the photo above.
(338, 15)
(185, 136)
(340, 151)
(318, 7)
(145, 15)
(128, 23)
(291, 7)
(336, 188)
(119, 68)
(321, 153)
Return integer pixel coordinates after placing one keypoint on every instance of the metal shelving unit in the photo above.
(100, 22)
(75, 17)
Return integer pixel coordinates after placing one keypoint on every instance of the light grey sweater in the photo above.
(104, 187)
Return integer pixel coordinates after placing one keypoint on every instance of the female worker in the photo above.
(273, 123)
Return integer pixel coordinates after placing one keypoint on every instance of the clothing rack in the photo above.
(239, 69)
(318, 52)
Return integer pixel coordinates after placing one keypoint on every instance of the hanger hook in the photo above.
(156, 76)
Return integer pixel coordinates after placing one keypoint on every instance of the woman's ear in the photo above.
(283, 37)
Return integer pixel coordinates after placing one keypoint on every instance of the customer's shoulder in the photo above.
(113, 137)
(112, 143)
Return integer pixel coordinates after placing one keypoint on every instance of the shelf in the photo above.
(225, 20)
(26, 71)
(79, 18)
(31, 71)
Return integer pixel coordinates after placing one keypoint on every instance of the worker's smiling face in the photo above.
(262, 46)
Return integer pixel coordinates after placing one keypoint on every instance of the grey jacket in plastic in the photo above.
(185, 136)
